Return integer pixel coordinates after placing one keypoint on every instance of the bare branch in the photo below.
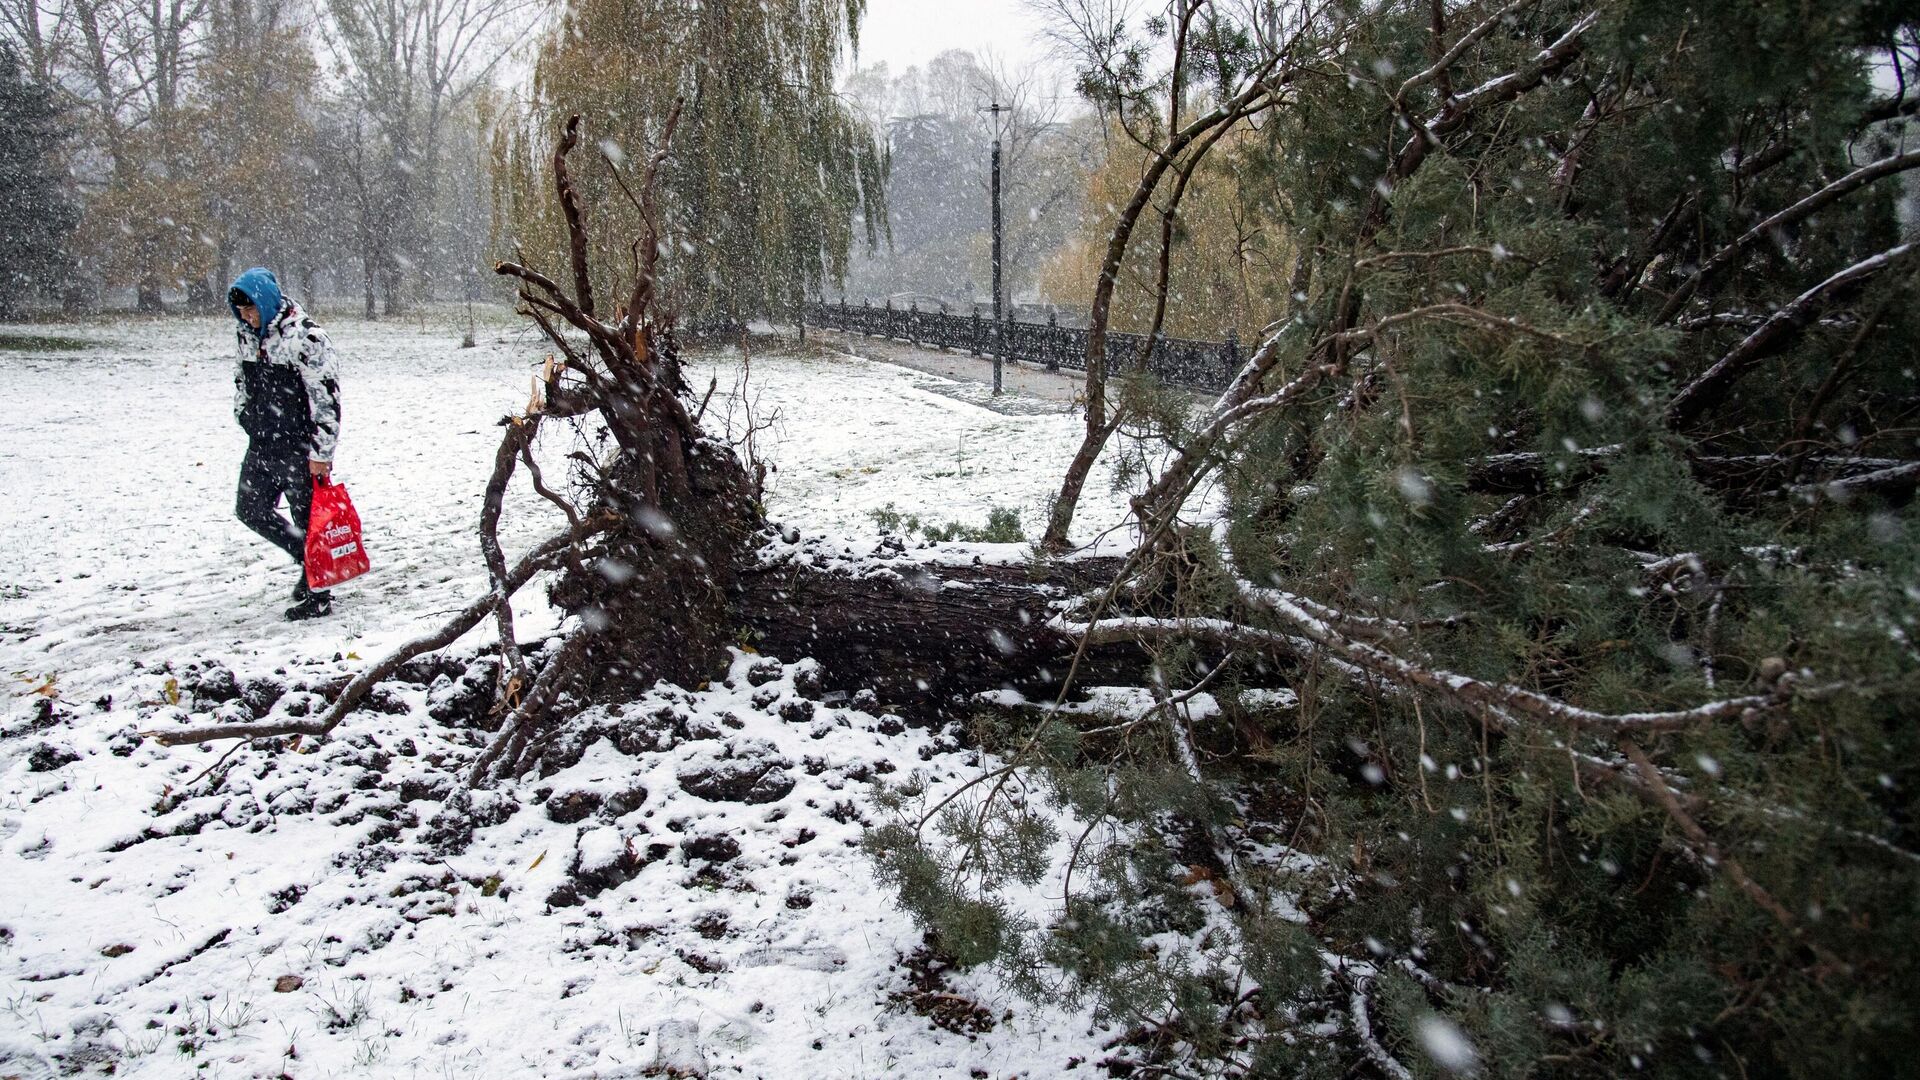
(1386, 257)
(1904, 476)
(514, 673)
(643, 280)
(1474, 695)
(575, 215)
(553, 334)
(540, 485)
(1262, 92)
(1889, 108)
(1363, 1030)
(1364, 625)
(1457, 313)
(558, 671)
(1460, 108)
(560, 303)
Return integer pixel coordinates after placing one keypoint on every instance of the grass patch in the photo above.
(35, 343)
(1002, 527)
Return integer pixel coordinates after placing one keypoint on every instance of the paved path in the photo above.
(1017, 379)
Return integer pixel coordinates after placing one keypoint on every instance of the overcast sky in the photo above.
(911, 32)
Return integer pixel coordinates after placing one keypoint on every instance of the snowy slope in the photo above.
(687, 895)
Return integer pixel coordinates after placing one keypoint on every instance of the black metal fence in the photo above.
(1200, 365)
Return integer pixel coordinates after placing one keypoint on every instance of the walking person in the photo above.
(286, 395)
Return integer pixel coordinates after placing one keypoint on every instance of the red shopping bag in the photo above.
(334, 550)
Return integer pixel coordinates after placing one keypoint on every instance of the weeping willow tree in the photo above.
(772, 178)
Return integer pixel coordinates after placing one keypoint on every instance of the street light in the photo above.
(999, 322)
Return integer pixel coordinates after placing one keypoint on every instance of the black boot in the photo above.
(308, 603)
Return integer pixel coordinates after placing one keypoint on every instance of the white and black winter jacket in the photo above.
(286, 384)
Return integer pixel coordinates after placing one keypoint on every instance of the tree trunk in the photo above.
(1207, 130)
(202, 298)
(392, 286)
(931, 636)
(369, 264)
(402, 213)
(79, 293)
(655, 591)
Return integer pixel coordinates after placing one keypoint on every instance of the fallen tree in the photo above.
(672, 559)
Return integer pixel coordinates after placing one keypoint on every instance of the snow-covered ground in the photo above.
(324, 910)
(118, 463)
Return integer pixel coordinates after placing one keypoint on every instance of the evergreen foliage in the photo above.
(1572, 500)
(38, 215)
(772, 178)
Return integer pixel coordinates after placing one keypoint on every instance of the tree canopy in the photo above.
(772, 179)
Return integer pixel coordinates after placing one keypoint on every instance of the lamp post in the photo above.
(999, 321)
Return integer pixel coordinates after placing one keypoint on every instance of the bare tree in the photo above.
(939, 133)
(413, 64)
(130, 66)
(42, 31)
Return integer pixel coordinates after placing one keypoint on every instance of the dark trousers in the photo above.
(268, 473)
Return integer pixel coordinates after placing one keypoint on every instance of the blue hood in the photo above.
(259, 284)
